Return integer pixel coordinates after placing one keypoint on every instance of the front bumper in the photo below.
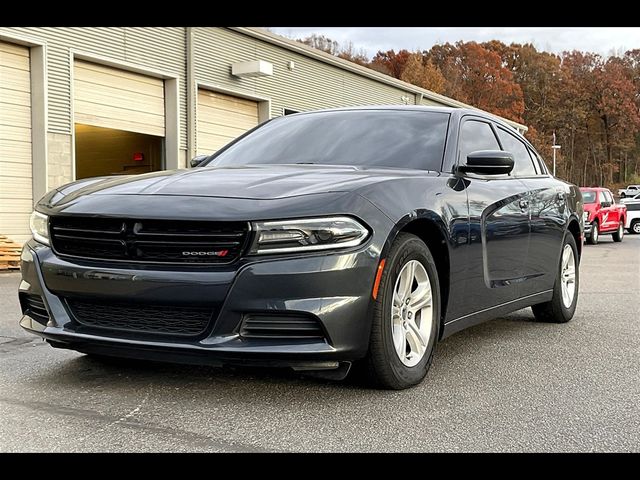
(587, 228)
(333, 288)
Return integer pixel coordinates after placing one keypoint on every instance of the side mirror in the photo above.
(488, 162)
(605, 204)
(195, 161)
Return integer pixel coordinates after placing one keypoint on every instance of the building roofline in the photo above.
(301, 48)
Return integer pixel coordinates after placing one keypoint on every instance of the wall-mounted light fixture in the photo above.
(255, 68)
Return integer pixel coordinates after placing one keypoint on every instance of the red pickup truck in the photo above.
(602, 215)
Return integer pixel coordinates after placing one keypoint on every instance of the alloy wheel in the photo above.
(412, 313)
(568, 276)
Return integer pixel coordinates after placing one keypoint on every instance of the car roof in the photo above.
(594, 189)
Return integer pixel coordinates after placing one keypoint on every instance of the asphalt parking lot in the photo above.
(507, 385)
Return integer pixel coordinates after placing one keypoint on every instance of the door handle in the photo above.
(524, 204)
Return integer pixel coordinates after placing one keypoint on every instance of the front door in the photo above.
(499, 226)
(609, 214)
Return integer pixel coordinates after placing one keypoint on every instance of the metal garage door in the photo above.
(16, 198)
(112, 98)
(221, 118)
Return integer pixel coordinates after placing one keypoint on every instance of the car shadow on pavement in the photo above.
(110, 373)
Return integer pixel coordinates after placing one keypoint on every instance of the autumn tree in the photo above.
(476, 75)
(332, 47)
(321, 42)
(349, 52)
(615, 106)
(423, 73)
(390, 62)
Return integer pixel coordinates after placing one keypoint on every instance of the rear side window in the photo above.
(542, 167)
(475, 135)
(523, 164)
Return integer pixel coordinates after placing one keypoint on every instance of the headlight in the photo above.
(39, 224)
(307, 235)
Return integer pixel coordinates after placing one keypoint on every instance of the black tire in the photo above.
(634, 228)
(595, 234)
(623, 195)
(554, 311)
(384, 367)
(619, 234)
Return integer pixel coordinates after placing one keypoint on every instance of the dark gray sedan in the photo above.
(314, 241)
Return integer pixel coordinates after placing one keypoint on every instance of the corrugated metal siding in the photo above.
(310, 85)
(430, 103)
(157, 48)
(16, 199)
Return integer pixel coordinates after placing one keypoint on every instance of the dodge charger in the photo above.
(316, 242)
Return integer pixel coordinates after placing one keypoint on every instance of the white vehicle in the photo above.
(634, 199)
(633, 217)
(630, 191)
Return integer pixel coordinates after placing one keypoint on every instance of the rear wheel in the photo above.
(595, 234)
(406, 316)
(635, 227)
(562, 306)
(619, 234)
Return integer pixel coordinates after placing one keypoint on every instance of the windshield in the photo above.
(372, 138)
(589, 197)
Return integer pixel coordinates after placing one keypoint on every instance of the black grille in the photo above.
(147, 318)
(281, 327)
(165, 241)
(33, 305)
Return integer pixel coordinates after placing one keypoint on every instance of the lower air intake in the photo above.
(281, 327)
(177, 320)
(33, 305)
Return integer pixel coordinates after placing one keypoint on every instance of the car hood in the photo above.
(590, 207)
(247, 182)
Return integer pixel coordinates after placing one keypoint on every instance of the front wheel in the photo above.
(595, 234)
(562, 306)
(619, 234)
(635, 227)
(406, 316)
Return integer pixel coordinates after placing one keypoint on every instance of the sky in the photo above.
(602, 40)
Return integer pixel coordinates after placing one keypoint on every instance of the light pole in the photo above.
(555, 147)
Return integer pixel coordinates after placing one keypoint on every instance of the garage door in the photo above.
(221, 118)
(112, 98)
(16, 199)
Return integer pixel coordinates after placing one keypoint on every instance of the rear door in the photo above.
(499, 224)
(548, 215)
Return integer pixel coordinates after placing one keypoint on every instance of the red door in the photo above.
(608, 214)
